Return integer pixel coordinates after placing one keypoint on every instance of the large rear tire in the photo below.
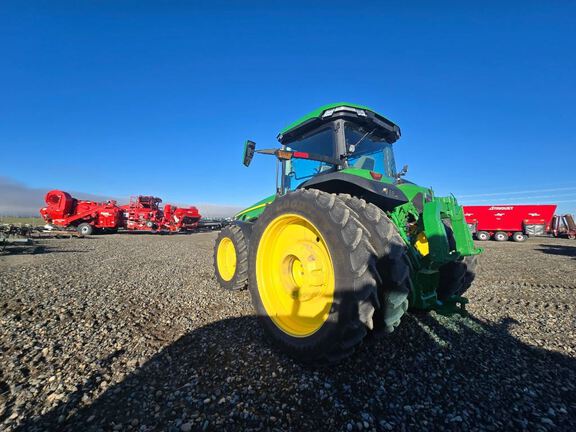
(391, 262)
(231, 259)
(312, 276)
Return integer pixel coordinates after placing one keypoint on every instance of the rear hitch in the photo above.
(455, 305)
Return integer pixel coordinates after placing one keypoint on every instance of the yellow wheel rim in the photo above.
(226, 259)
(295, 275)
(421, 244)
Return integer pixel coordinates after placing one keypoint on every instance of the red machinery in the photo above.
(63, 210)
(142, 213)
(504, 221)
(181, 218)
(564, 226)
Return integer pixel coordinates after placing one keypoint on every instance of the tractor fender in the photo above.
(384, 195)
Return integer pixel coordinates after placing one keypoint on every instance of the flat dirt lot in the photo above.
(131, 332)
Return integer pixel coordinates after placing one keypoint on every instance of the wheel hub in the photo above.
(303, 272)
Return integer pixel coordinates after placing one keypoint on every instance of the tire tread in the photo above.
(394, 273)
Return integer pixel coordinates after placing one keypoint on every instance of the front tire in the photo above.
(311, 276)
(231, 259)
(456, 277)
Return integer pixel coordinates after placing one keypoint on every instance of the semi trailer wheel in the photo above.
(482, 236)
(518, 236)
(500, 236)
(85, 228)
(392, 262)
(231, 258)
(311, 276)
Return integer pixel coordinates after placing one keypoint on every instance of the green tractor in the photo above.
(346, 245)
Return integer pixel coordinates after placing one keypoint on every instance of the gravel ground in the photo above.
(131, 332)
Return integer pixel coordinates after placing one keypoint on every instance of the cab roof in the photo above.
(327, 113)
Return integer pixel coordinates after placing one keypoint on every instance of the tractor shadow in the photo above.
(458, 372)
(562, 250)
(35, 249)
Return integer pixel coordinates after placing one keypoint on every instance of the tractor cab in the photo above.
(338, 137)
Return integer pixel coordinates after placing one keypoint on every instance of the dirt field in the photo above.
(130, 332)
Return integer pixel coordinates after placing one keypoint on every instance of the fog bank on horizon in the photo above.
(17, 199)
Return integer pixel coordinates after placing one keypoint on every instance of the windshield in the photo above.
(296, 171)
(371, 152)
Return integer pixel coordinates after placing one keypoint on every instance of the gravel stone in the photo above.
(132, 332)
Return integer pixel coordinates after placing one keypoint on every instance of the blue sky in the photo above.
(119, 98)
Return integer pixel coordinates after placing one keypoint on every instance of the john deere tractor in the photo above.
(346, 244)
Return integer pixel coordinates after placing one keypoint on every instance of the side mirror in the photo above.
(249, 148)
(403, 172)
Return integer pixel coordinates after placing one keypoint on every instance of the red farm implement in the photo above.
(142, 213)
(86, 216)
(502, 222)
(564, 226)
(181, 218)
